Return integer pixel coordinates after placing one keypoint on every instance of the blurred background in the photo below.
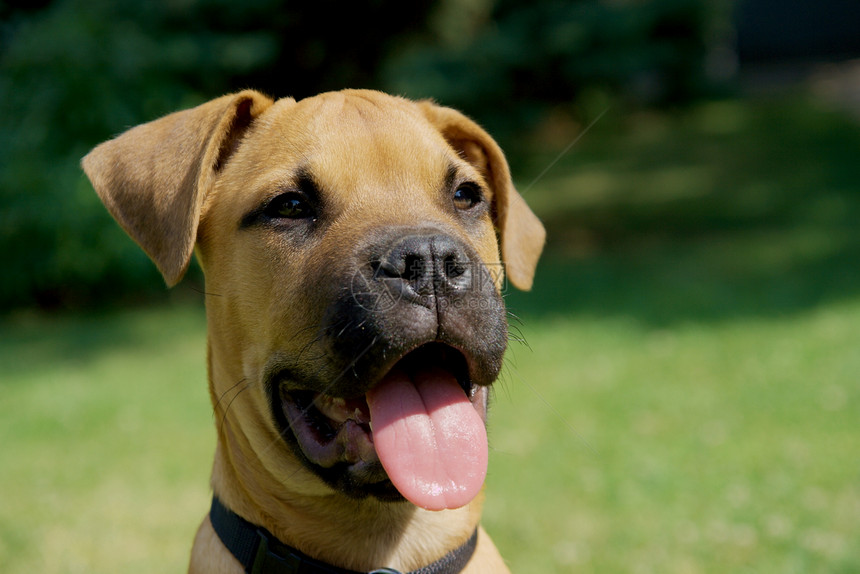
(688, 398)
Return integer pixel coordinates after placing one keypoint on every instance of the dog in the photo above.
(352, 246)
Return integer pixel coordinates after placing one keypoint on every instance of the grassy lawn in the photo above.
(108, 441)
(727, 447)
(687, 402)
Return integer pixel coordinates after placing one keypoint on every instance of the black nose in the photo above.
(426, 265)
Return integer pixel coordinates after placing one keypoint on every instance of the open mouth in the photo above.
(416, 429)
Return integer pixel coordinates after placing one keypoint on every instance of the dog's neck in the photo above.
(317, 520)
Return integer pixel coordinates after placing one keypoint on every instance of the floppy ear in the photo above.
(521, 233)
(154, 177)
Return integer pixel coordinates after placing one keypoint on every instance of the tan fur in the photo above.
(187, 180)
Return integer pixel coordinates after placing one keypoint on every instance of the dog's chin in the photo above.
(333, 436)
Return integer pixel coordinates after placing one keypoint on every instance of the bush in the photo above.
(521, 58)
(76, 72)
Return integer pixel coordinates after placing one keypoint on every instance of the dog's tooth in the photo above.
(331, 407)
(340, 410)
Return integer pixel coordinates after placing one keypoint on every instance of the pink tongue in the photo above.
(430, 439)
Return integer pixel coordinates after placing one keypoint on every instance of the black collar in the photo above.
(260, 552)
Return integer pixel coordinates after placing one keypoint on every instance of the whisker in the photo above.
(350, 325)
(307, 347)
(204, 292)
(515, 333)
(221, 398)
(304, 330)
(518, 339)
(514, 317)
(226, 410)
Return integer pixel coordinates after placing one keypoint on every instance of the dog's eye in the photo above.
(290, 205)
(467, 196)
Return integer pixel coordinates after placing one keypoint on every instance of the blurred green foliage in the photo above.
(508, 61)
(727, 209)
(76, 72)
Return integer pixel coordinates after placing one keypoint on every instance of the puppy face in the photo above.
(335, 260)
(352, 245)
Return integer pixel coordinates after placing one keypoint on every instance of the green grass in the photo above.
(107, 441)
(692, 448)
(688, 400)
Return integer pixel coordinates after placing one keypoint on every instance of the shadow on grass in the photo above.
(669, 285)
(727, 209)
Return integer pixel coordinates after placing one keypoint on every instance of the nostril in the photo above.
(415, 267)
(452, 266)
(410, 267)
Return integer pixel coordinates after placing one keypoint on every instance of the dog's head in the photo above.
(355, 246)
